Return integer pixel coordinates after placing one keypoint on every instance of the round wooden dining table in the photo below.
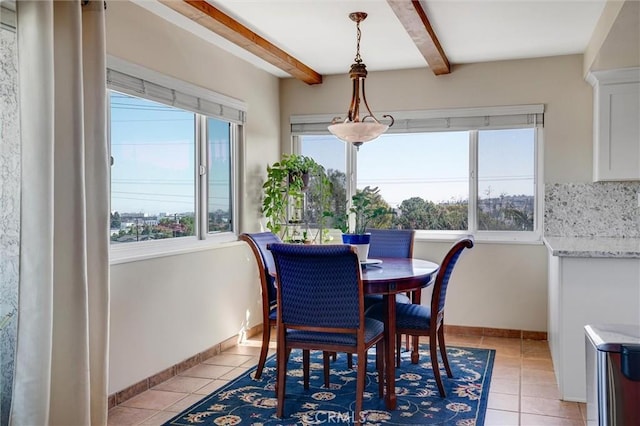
(388, 277)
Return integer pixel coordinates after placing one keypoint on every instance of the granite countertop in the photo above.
(593, 247)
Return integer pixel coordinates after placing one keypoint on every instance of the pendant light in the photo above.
(356, 129)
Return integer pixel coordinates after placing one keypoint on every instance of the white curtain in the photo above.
(63, 316)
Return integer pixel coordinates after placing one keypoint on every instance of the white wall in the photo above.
(495, 285)
(168, 309)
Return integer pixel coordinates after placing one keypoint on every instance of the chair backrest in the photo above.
(444, 273)
(319, 286)
(391, 242)
(258, 243)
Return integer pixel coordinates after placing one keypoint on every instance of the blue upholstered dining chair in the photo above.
(258, 243)
(389, 243)
(418, 320)
(321, 307)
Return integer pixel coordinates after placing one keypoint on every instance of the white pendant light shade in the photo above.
(359, 132)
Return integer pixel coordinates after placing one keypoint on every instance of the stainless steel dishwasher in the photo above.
(613, 374)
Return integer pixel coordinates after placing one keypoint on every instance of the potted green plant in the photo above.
(366, 207)
(284, 194)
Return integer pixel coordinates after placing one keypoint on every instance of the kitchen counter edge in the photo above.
(605, 247)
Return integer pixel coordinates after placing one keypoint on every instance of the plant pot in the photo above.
(360, 242)
(304, 177)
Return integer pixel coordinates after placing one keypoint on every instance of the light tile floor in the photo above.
(523, 389)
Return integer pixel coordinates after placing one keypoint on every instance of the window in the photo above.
(153, 172)
(331, 153)
(173, 152)
(446, 172)
(220, 199)
(506, 180)
(429, 190)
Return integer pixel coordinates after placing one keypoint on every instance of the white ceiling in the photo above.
(320, 34)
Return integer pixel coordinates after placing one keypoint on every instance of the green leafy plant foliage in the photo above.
(288, 180)
(368, 208)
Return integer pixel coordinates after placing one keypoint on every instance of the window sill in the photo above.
(134, 252)
(480, 237)
(484, 237)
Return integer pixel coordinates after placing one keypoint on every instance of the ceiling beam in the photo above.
(215, 20)
(415, 21)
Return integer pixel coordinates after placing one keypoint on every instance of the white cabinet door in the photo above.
(582, 291)
(616, 120)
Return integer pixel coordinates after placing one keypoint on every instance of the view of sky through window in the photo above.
(153, 149)
(435, 166)
(505, 162)
(432, 166)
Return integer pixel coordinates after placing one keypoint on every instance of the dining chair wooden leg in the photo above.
(334, 356)
(443, 351)
(266, 337)
(398, 349)
(380, 367)
(415, 354)
(434, 363)
(283, 358)
(360, 378)
(415, 296)
(305, 368)
(325, 361)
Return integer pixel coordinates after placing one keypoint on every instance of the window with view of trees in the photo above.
(470, 181)
(424, 176)
(332, 155)
(506, 180)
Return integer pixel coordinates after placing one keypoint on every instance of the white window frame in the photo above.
(472, 120)
(218, 106)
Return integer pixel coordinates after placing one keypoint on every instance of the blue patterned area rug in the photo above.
(246, 401)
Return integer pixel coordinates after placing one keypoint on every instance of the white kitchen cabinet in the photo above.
(587, 287)
(616, 124)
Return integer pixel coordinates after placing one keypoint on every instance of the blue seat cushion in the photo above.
(372, 328)
(408, 315)
(372, 299)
